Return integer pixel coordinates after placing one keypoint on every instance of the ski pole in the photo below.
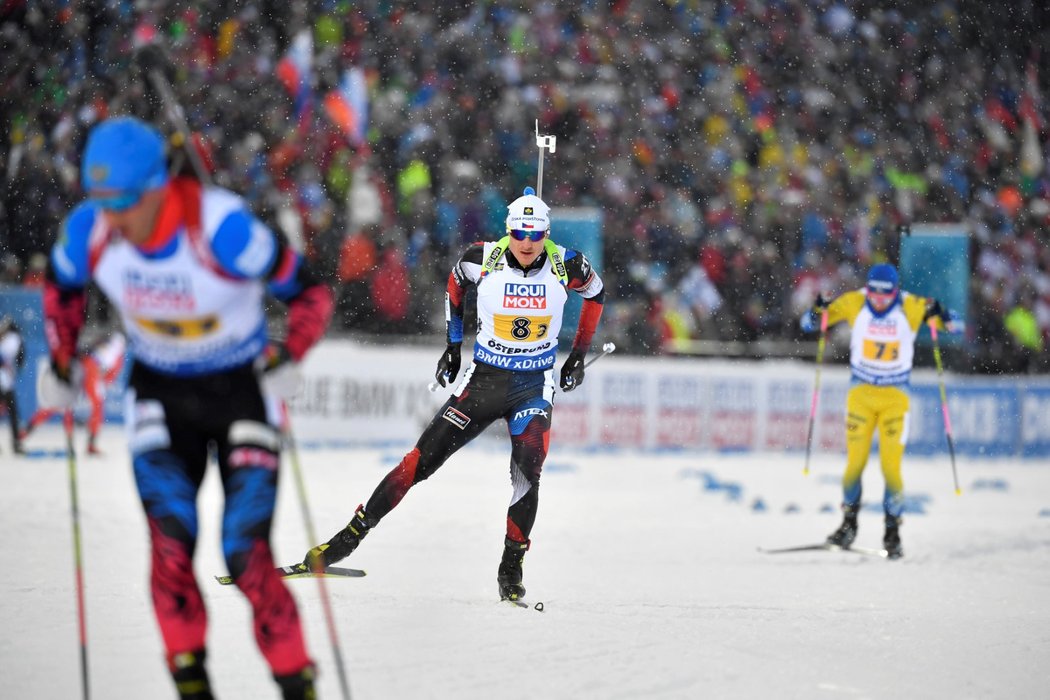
(543, 143)
(944, 402)
(816, 387)
(607, 348)
(78, 567)
(304, 506)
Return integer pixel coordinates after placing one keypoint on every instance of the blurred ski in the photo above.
(827, 548)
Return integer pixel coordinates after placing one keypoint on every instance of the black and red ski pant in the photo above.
(522, 399)
(173, 425)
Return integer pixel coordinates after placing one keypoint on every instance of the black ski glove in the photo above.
(572, 371)
(934, 309)
(279, 374)
(820, 305)
(448, 365)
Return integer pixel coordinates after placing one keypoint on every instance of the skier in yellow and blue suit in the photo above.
(884, 323)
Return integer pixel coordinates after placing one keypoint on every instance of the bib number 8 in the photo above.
(520, 328)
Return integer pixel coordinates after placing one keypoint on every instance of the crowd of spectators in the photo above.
(743, 155)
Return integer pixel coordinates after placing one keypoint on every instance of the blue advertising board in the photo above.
(935, 263)
(577, 229)
(25, 306)
(985, 420)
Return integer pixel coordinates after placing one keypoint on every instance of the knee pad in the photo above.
(253, 444)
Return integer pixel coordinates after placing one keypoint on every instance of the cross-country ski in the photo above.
(300, 571)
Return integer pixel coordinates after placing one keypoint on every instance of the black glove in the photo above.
(820, 305)
(275, 355)
(279, 373)
(572, 371)
(934, 308)
(58, 384)
(448, 365)
(63, 371)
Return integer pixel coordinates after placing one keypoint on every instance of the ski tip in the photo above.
(350, 573)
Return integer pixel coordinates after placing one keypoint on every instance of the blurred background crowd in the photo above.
(744, 154)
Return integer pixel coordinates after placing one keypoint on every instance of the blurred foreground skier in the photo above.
(188, 266)
(884, 322)
(522, 283)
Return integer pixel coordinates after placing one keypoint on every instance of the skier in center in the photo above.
(522, 284)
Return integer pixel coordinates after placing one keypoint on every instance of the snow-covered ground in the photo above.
(648, 567)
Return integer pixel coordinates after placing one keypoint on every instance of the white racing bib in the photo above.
(882, 349)
(519, 317)
(180, 316)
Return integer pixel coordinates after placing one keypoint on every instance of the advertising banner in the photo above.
(360, 394)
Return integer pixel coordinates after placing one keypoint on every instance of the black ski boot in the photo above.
(509, 574)
(298, 686)
(191, 678)
(341, 545)
(891, 541)
(847, 532)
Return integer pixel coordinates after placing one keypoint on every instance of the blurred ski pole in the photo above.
(816, 387)
(78, 567)
(944, 402)
(304, 506)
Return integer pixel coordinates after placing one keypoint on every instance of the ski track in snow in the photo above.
(646, 564)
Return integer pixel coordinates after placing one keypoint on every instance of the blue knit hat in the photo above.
(883, 279)
(124, 155)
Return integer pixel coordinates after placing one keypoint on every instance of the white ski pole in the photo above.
(607, 349)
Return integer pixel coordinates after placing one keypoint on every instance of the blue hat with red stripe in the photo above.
(883, 278)
(123, 156)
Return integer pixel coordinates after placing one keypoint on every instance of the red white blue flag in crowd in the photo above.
(294, 71)
(347, 105)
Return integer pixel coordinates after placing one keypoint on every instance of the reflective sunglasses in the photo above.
(879, 299)
(532, 235)
(120, 201)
